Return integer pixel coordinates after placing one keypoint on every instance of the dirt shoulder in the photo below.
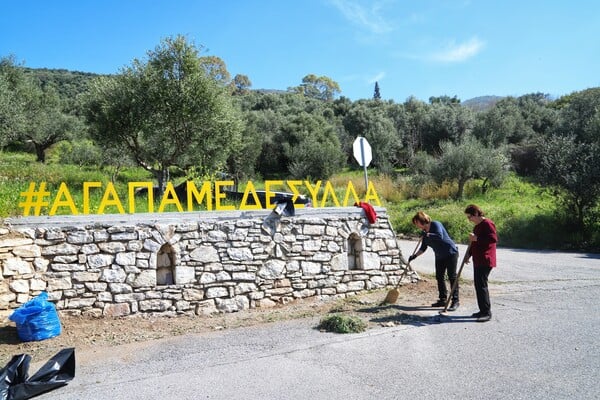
(87, 334)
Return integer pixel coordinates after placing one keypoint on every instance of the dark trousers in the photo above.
(443, 266)
(480, 277)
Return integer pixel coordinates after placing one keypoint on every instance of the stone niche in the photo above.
(195, 263)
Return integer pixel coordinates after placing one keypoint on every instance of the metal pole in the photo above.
(364, 164)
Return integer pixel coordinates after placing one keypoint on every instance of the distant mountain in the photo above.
(68, 83)
(481, 103)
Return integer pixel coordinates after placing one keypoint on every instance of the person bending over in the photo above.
(446, 256)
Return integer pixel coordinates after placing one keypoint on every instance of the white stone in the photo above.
(244, 276)
(27, 251)
(125, 258)
(184, 275)
(271, 269)
(100, 260)
(206, 307)
(116, 310)
(205, 254)
(15, 242)
(208, 277)
(314, 230)
(312, 245)
(64, 248)
(193, 294)
(37, 285)
(96, 286)
(310, 268)
(6, 299)
(213, 292)
(245, 287)
(240, 254)
(85, 276)
(81, 303)
(19, 286)
(232, 305)
(378, 245)
(223, 276)
(112, 247)
(17, 266)
(113, 275)
(339, 262)
(41, 264)
(63, 283)
(80, 237)
(146, 278)
(371, 260)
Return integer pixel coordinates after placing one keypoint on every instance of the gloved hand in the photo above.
(411, 258)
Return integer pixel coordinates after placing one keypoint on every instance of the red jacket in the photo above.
(484, 249)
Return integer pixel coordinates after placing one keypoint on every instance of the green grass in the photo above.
(526, 215)
(340, 323)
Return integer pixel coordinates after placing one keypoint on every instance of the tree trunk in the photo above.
(39, 151)
(162, 176)
(461, 188)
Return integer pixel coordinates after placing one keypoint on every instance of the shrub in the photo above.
(339, 323)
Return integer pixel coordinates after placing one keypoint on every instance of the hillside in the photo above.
(481, 103)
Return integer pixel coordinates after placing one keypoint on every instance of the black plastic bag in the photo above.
(16, 385)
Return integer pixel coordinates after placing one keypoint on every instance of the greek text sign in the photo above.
(38, 198)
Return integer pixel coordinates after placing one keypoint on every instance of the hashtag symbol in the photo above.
(34, 199)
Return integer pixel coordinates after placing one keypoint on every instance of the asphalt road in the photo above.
(542, 343)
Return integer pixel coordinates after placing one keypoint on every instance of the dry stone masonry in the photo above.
(194, 263)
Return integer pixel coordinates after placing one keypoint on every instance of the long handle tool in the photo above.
(392, 295)
(455, 285)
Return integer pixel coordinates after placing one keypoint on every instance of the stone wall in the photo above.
(195, 263)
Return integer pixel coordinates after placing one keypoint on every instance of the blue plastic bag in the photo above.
(37, 319)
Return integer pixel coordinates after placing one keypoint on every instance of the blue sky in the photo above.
(418, 48)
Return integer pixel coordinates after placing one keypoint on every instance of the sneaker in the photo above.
(454, 305)
(439, 303)
(477, 314)
(484, 318)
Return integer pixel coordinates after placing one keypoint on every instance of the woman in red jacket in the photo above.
(483, 250)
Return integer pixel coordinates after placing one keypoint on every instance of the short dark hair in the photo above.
(475, 210)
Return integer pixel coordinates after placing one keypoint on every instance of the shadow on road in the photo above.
(412, 315)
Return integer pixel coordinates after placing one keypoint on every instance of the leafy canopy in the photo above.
(166, 112)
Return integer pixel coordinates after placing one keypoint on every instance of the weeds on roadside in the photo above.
(339, 323)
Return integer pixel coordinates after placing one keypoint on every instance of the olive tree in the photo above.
(318, 87)
(166, 112)
(30, 113)
(573, 168)
(469, 159)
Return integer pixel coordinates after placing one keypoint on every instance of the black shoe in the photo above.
(439, 303)
(455, 304)
(484, 318)
(477, 314)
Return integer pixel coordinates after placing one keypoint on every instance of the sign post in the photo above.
(362, 153)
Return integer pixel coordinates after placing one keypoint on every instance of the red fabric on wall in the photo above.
(369, 211)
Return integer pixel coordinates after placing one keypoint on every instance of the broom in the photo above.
(465, 258)
(393, 294)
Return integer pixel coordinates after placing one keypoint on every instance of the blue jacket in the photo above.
(439, 240)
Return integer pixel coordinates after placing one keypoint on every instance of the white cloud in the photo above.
(459, 52)
(367, 17)
(377, 78)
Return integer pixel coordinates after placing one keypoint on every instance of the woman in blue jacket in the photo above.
(446, 256)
